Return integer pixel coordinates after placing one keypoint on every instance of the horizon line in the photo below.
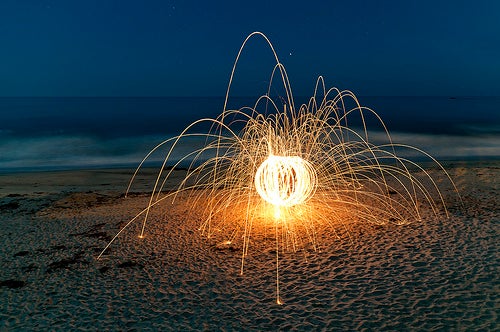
(243, 96)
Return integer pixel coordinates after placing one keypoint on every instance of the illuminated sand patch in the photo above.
(296, 173)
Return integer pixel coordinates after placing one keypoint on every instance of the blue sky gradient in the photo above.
(187, 48)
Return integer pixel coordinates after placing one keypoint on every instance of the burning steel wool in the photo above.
(285, 180)
(295, 172)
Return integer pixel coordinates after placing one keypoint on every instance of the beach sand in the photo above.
(438, 274)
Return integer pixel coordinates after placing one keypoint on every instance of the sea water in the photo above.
(81, 132)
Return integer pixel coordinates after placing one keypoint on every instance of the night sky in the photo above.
(187, 48)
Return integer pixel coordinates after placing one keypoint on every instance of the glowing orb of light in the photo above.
(285, 180)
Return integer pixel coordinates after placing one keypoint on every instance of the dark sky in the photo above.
(187, 48)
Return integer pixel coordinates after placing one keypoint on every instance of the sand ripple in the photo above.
(441, 274)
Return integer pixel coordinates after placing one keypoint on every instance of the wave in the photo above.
(69, 152)
(54, 152)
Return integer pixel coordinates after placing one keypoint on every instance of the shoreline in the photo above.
(116, 179)
(79, 180)
(95, 178)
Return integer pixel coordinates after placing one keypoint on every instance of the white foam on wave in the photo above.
(80, 151)
(84, 151)
(447, 146)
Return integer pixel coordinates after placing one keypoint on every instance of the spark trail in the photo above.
(294, 172)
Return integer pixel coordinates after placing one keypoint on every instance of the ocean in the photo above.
(49, 133)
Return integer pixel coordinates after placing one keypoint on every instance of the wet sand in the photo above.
(437, 274)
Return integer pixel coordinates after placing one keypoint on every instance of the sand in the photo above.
(440, 274)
